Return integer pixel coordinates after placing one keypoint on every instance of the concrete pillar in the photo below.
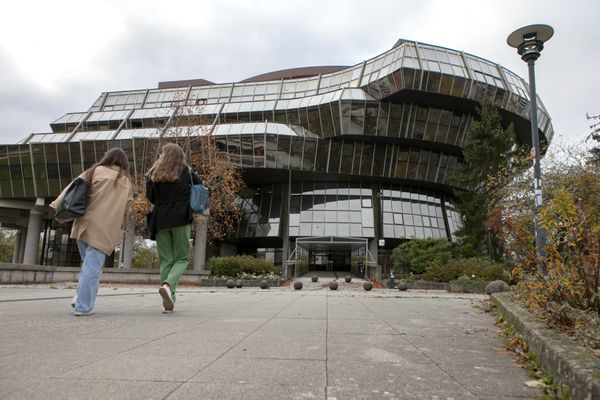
(127, 243)
(34, 228)
(22, 245)
(201, 229)
(284, 229)
(17, 249)
(373, 249)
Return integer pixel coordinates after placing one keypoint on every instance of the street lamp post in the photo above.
(529, 42)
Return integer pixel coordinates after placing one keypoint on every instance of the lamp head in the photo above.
(529, 40)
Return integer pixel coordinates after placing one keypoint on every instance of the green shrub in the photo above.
(236, 266)
(437, 271)
(223, 266)
(414, 255)
(481, 268)
(485, 270)
(467, 284)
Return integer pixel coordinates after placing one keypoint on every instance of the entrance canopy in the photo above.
(332, 243)
(330, 253)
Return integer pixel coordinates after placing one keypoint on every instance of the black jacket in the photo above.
(171, 202)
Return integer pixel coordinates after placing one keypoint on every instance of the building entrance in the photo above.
(329, 253)
(331, 260)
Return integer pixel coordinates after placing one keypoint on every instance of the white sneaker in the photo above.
(165, 292)
(82, 313)
(165, 311)
(73, 301)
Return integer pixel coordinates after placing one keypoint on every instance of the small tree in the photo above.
(188, 128)
(491, 158)
(595, 136)
(569, 294)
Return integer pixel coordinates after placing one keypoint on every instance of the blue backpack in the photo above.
(199, 195)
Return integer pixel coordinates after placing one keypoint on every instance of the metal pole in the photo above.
(529, 42)
(540, 234)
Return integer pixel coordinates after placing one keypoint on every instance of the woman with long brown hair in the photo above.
(168, 188)
(99, 230)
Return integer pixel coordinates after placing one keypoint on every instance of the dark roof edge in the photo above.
(184, 83)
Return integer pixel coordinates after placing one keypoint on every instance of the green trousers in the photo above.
(173, 245)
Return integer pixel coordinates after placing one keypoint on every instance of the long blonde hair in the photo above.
(168, 166)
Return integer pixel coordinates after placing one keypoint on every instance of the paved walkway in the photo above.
(254, 344)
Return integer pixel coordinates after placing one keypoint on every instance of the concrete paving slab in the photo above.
(13, 385)
(373, 348)
(397, 379)
(487, 380)
(211, 391)
(148, 367)
(264, 372)
(50, 346)
(20, 365)
(89, 389)
(253, 344)
(359, 327)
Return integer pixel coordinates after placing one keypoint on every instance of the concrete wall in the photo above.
(20, 273)
(24, 274)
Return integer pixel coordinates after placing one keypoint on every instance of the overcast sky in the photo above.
(57, 56)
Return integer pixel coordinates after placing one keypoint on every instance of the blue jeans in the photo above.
(89, 277)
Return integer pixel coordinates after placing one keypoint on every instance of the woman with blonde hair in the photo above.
(168, 189)
(99, 230)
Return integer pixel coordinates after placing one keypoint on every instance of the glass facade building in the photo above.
(366, 151)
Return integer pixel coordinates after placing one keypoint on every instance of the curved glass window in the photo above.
(260, 211)
(408, 214)
(331, 209)
(455, 221)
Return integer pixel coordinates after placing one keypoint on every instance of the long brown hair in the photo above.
(168, 166)
(114, 157)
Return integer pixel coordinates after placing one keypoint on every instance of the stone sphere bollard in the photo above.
(297, 285)
(367, 286)
(264, 284)
(239, 283)
(314, 278)
(230, 284)
(496, 287)
(402, 286)
(333, 285)
(348, 278)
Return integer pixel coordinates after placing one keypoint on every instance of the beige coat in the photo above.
(107, 205)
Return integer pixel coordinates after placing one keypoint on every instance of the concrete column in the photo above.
(17, 249)
(284, 229)
(34, 228)
(201, 229)
(373, 248)
(127, 243)
(22, 245)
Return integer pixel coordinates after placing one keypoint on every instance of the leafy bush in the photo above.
(568, 293)
(467, 284)
(7, 245)
(485, 270)
(482, 268)
(144, 257)
(414, 256)
(436, 271)
(238, 266)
